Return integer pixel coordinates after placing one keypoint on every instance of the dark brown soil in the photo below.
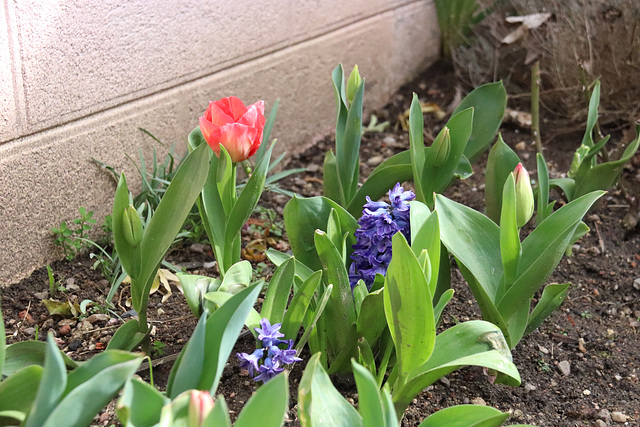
(595, 329)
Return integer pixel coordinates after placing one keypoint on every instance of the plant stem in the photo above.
(535, 105)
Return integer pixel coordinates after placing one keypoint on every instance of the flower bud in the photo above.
(132, 226)
(200, 404)
(524, 196)
(441, 147)
(353, 83)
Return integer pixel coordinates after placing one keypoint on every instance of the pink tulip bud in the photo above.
(524, 196)
(200, 404)
(229, 123)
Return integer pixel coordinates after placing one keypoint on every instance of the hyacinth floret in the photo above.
(378, 223)
(273, 358)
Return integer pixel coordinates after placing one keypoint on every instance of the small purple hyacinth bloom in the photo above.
(269, 334)
(268, 370)
(268, 361)
(250, 361)
(378, 223)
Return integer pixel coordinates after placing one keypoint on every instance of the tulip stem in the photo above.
(535, 105)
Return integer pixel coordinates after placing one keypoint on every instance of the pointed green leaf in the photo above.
(275, 301)
(509, 232)
(187, 372)
(26, 353)
(501, 162)
(126, 337)
(466, 416)
(18, 391)
(140, 404)
(552, 297)
(369, 399)
(268, 406)
(299, 305)
(130, 257)
(348, 147)
(330, 179)
(416, 144)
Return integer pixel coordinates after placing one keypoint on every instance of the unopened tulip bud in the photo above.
(200, 404)
(524, 196)
(353, 83)
(132, 226)
(441, 147)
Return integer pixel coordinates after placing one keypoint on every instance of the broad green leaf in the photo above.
(466, 416)
(542, 251)
(27, 353)
(544, 208)
(381, 180)
(360, 292)
(194, 287)
(475, 342)
(94, 389)
(168, 220)
(437, 179)
(428, 238)
(330, 179)
(219, 415)
(275, 301)
(222, 331)
(365, 356)
(311, 317)
(226, 180)
(52, 385)
(509, 233)
(418, 214)
(474, 240)
(253, 318)
(501, 162)
(442, 303)
(340, 312)
(408, 308)
(552, 297)
(340, 362)
(277, 257)
(187, 372)
(489, 102)
(371, 323)
(126, 337)
(303, 216)
(268, 406)
(369, 399)
(567, 185)
(592, 116)
(18, 391)
(299, 305)
(237, 277)
(130, 257)
(416, 144)
(319, 403)
(140, 404)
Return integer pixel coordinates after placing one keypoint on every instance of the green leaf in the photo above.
(236, 278)
(130, 257)
(489, 102)
(466, 416)
(186, 375)
(18, 391)
(542, 251)
(319, 403)
(299, 305)
(275, 301)
(436, 179)
(416, 145)
(475, 342)
(567, 185)
(277, 257)
(340, 312)
(168, 220)
(474, 240)
(247, 200)
(501, 162)
(544, 207)
(427, 238)
(442, 303)
(330, 178)
(371, 324)
(348, 147)
(408, 308)
(592, 116)
(91, 387)
(223, 328)
(52, 385)
(509, 233)
(303, 216)
(380, 181)
(219, 415)
(268, 406)
(3, 343)
(140, 404)
(27, 353)
(552, 297)
(226, 180)
(369, 400)
(266, 133)
(126, 337)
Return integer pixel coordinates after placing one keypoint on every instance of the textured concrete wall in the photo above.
(78, 77)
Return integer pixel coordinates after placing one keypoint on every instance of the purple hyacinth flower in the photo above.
(378, 223)
(269, 334)
(269, 369)
(250, 361)
(286, 356)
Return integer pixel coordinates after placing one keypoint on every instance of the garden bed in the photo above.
(580, 368)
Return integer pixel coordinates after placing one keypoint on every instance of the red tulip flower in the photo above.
(238, 128)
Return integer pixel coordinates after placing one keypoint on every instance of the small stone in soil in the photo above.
(564, 367)
(619, 417)
(75, 344)
(98, 317)
(64, 330)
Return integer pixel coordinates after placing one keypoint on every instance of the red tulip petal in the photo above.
(217, 115)
(211, 134)
(232, 106)
(238, 139)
